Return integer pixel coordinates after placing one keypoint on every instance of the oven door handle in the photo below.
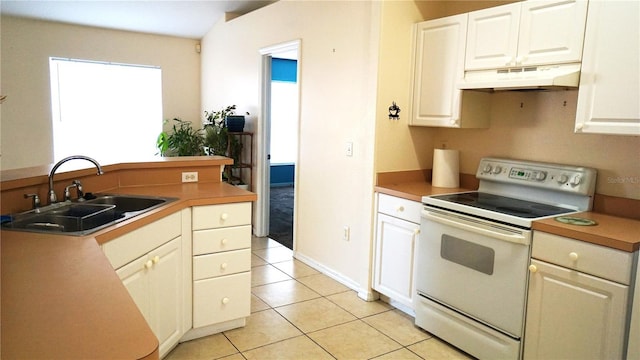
(521, 237)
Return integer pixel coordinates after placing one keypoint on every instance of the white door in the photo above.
(609, 86)
(395, 253)
(134, 277)
(165, 280)
(571, 315)
(492, 37)
(438, 67)
(551, 32)
(460, 255)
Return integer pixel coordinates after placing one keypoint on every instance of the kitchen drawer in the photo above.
(221, 299)
(223, 239)
(398, 207)
(223, 215)
(136, 243)
(219, 264)
(601, 261)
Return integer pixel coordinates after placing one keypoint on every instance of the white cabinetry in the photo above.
(577, 302)
(633, 350)
(609, 86)
(221, 266)
(397, 229)
(526, 33)
(149, 263)
(438, 65)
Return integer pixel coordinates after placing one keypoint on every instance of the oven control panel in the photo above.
(564, 178)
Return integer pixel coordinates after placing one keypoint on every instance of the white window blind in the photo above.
(111, 112)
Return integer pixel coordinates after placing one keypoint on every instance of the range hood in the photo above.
(542, 77)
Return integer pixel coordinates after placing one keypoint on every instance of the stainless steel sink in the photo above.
(82, 218)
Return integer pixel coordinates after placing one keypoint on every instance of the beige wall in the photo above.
(339, 47)
(26, 132)
(540, 130)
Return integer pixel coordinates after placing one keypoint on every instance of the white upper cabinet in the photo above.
(609, 81)
(525, 34)
(438, 64)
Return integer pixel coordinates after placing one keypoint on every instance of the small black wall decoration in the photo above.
(394, 112)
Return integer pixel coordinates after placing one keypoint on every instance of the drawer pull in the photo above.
(224, 241)
(223, 266)
(225, 301)
(224, 216)
(573, 256)
(400, 208)
(156, 259)
(148, 264)
(533, 268)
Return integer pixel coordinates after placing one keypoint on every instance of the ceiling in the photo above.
(189, 19)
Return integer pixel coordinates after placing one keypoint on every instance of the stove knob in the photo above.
(562, 179)
(497, 169)
(540, 176)
(576, 180)
(487, 168)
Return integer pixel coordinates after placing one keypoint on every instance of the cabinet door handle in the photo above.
(148, 264)
(156, 259)
(573, 256)
(533, 268)
(225, 300)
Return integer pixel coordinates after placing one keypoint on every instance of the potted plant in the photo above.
(216, 136)
(183, 141)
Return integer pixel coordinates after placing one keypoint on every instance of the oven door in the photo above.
(475, 267)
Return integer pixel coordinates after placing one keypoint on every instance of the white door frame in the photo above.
(263, 177)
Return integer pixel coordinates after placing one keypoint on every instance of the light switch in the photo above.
(349, 148)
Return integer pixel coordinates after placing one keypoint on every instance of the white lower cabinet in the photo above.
(577, 301)
(154, 283)
(397, 229)
(149, 263)
(221, 266)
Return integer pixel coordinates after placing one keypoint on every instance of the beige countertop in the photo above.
(611, 231)
(61, 299)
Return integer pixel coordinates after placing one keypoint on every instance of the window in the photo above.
(107, 111)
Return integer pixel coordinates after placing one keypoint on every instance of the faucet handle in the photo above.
(67, 193)
(35, 200)
(78, 185)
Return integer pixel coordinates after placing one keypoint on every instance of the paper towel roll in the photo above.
(446, 168)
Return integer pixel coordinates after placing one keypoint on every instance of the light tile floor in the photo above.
(299, 313)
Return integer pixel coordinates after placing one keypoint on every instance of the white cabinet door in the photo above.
(395, 258)
(571, 315)
(492, 38)
(526, 33)
(609, 86)
(166, 294)
(134, 277)
(438, 66)
(154, 281)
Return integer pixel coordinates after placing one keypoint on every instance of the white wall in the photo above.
(338, 77)
(26, 137)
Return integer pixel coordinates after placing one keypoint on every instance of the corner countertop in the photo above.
(61, 299)
(611, 231)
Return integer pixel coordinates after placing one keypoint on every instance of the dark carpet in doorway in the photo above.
(281, 215)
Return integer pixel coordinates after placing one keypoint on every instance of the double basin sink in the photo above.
(85, 217)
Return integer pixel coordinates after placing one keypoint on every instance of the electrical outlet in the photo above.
(346, 234)
(190, 176)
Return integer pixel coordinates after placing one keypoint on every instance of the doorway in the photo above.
(279, 150)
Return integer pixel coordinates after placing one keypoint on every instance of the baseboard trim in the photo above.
(364, 294)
